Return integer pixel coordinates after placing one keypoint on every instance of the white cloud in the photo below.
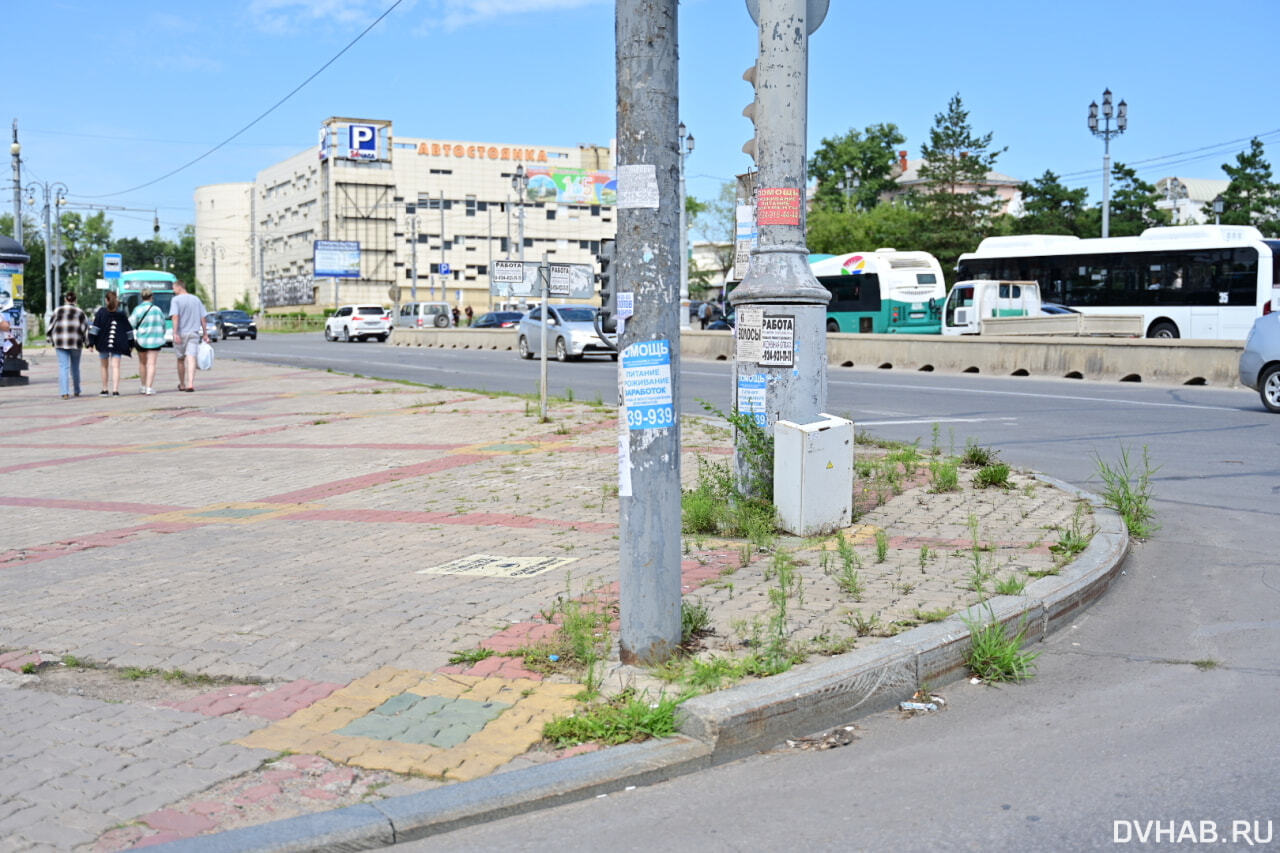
(279, 16)
(455, 14)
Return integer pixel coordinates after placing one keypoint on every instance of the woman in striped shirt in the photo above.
(148, 334)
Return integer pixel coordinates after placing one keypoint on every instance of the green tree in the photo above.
(854, 169)
(1252, 197)
(1051, 208)
(717, 222)
(1133, 204)
(958, 208)
(896, 226)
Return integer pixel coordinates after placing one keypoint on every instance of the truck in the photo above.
(1014, 308)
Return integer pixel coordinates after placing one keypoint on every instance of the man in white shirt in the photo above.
(189, 330)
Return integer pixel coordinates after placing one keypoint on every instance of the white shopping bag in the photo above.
(204, 356)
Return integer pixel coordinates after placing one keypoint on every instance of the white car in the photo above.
(571, 334)
(357, 322)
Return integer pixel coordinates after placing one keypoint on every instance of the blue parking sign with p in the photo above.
(363, 139)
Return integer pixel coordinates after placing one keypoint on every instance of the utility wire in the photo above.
(1157, 162)
(266, 113)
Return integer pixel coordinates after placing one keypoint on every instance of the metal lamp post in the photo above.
(1217, 210)
(1121, 114)
(58, 191)
(1176, 191)
(684, 147)
(164, 262)
(412, 210)
(849, 186)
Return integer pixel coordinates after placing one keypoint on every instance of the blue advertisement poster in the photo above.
(646, 385)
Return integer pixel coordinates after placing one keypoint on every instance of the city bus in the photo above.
(129, 286)
(1197, 281)
(884, 291)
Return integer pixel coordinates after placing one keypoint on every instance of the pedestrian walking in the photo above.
(68, 335)
(470, 314)
(112, 336)
(189, 330)
(455, 315)
(704, 313)
(148, 336)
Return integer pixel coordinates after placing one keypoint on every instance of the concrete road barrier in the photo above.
(1170, 362)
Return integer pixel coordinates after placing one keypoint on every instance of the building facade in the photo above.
(430, 216)
(224, 255)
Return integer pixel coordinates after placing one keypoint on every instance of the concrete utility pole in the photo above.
(413, 259)
(785, 373)
(648, 266)
(212, 249)
(16, 151)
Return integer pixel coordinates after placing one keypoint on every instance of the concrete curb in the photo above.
(715, 728)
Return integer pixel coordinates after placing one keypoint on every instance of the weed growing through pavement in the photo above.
(927, 616)
(863, 626)
(882, 545)
(627, 717)
(995, 475)
(695, 620)
(944, 474)
(1128, 491)
(716, 506)
(995, 656)
(1012, 585)
(977, 456)
(1072, 539)
(848, 580)
(925, 556)
(470, 657)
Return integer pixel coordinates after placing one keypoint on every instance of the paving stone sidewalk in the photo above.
(299, 554)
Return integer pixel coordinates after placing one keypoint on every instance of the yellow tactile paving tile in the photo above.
(512, 733)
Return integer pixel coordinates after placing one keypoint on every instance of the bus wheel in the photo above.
(832, 325)
(1163, 329)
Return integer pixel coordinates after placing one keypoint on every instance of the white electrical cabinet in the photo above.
(813, 475)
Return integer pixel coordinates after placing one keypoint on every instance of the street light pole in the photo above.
(1122, 124)
(1175, 190)
(413, 259)
(1217, 210)
(16, 151)
(520, 183)
(684, 147)
(58, 191)
(212, 249)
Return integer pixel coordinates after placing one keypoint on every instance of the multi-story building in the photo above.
(430, 216)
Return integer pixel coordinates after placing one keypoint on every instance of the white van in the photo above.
(422, 315)
(971, 302)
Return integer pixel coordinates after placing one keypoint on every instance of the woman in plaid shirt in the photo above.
(68, 335)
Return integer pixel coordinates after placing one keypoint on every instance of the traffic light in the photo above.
(608, 289)
(750, 112)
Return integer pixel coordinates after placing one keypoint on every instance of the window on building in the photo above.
(482, 269)
(551, 213)
(502, 244)
(442, 171)
(482, 206)
(471, 205)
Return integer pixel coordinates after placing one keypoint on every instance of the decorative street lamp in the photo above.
(849, 186)
(1176, 191)
(520, 183)
(1107, 131)
(1217, 210)
(684, 147)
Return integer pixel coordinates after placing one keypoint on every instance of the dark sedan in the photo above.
(498, 320)
(237, 324)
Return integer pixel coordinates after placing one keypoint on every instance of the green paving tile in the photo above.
(509, 448)
(429, 720)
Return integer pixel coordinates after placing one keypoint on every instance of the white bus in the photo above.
(882, 292)
(1199, 281)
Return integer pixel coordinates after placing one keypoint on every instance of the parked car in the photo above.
(723, 323)
(421, 315)
(356, 322)
(1260, 360)
(498, 320)
(212, 326)
(1055, 308)
(571, 333)
(237, 324)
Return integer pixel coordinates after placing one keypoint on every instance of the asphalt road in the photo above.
(1118, 735)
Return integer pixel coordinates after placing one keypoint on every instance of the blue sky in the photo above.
(112, 95)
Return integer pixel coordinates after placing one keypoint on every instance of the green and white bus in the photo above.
(129, 286)
(883, 292)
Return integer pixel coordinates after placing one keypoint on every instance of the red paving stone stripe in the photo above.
(62, 460)
(497, 666)
(256, 700)
(92, 506)
(377, 478)
(104, 539)
(476, 519)
(15, 661)
(299, 445)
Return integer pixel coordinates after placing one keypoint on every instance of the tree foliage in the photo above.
(1252, 197)
(895, 226)
(853, 170)
(958, 210)
(1051, 208)
(1133, 204)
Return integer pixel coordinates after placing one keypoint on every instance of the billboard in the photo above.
(572, 186)
(336, 259)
